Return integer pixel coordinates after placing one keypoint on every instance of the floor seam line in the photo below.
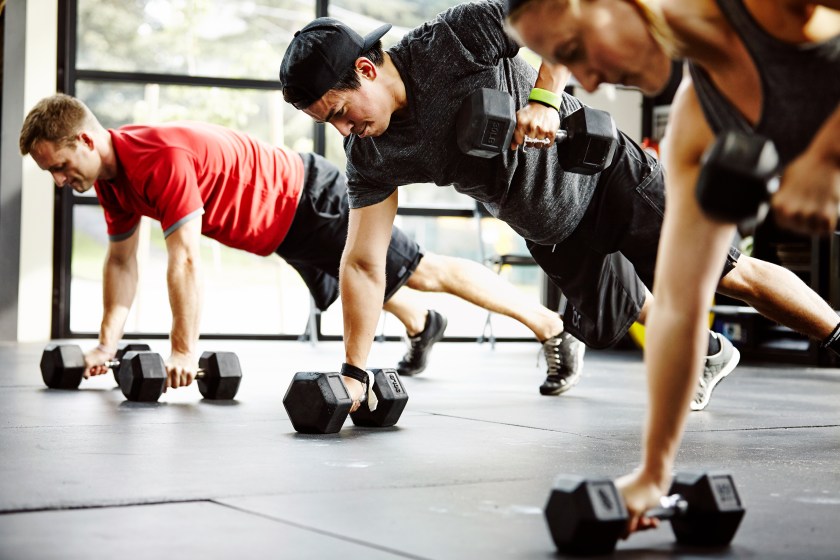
(321, 531)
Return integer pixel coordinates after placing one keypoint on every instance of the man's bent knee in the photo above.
(427, 276)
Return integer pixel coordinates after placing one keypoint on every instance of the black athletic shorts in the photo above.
(604, 266)
(316, 238)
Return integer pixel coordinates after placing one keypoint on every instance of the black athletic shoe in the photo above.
(421, 344)
(564, 356)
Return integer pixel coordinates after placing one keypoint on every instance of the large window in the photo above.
(152, 61)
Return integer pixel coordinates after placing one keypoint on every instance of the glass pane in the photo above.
(216, 38)
(243, 293)
(261, 113)
(366, 15)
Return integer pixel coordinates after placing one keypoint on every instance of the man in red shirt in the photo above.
(196, 179)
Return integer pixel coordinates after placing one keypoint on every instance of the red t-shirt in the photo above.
(247, 190)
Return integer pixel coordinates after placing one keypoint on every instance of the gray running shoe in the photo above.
(420, 345)
(717, 367)
(564, 357)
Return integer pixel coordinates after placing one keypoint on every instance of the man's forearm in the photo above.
(552, 77)
(826, 143)
(119, 286)
(185, 292)
(361, 295)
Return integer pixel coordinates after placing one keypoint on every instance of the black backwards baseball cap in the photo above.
(318, 56)
(511, 5)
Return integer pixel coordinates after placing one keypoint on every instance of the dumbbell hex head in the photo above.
(392, 397)
(220, 375)
(736, 176)
(485, 123)
(62, 366)
(714, 509)
(317, 402)
(591, 142)
(142, 376)
(123, 348)
(585, 517)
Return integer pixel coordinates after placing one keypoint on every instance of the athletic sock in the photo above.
(832, 341)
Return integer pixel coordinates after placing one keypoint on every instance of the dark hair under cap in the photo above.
(318, 56)
(511, 5)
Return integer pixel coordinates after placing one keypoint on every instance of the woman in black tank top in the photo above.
(771, 67)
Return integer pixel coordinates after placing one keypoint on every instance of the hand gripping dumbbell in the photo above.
(318, 402)
(486, 122)
(142, 376)
(587, 517)
(738, 175)
(63, 365)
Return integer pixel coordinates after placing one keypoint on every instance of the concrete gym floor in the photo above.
(465, 473)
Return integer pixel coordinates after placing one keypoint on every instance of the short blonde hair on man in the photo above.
(58, 118)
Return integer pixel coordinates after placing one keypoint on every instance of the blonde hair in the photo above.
(58, 118)
(650, 10)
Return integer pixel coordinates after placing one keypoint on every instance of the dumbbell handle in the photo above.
(116, 363)
(559, 137)
(669, 507)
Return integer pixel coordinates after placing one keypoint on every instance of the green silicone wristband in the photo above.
(545, 97)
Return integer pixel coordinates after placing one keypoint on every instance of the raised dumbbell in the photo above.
(318, 402)
(142, 376)
(587, 517)
(486, 122)
(738, 174)
(63, 365)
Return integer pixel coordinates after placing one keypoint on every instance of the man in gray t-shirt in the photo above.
(595, 236)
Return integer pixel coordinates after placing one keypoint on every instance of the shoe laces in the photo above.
(414, 347)
(551, 351)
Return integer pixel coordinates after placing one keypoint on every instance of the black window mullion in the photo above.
(63, 198)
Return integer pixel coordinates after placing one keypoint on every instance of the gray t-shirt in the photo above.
(441, 63)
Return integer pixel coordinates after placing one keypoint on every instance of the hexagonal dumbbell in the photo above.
(587, 517)
(142, 376)
(486, 122)
(122, 349)
(318, 402)
(738, 176)
(63, 365)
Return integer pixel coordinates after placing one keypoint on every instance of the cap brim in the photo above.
(377, 34)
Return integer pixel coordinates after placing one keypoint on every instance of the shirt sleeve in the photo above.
(120, 221)
(362, 191)
(480, 27)
(172, 189)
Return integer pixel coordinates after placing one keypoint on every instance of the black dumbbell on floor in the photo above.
(486, 122)
(142, 376)
(738, 175)
(587, 517)
(318, 402)
(63, 365)
(125, 347)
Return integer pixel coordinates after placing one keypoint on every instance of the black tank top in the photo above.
(800, 85)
